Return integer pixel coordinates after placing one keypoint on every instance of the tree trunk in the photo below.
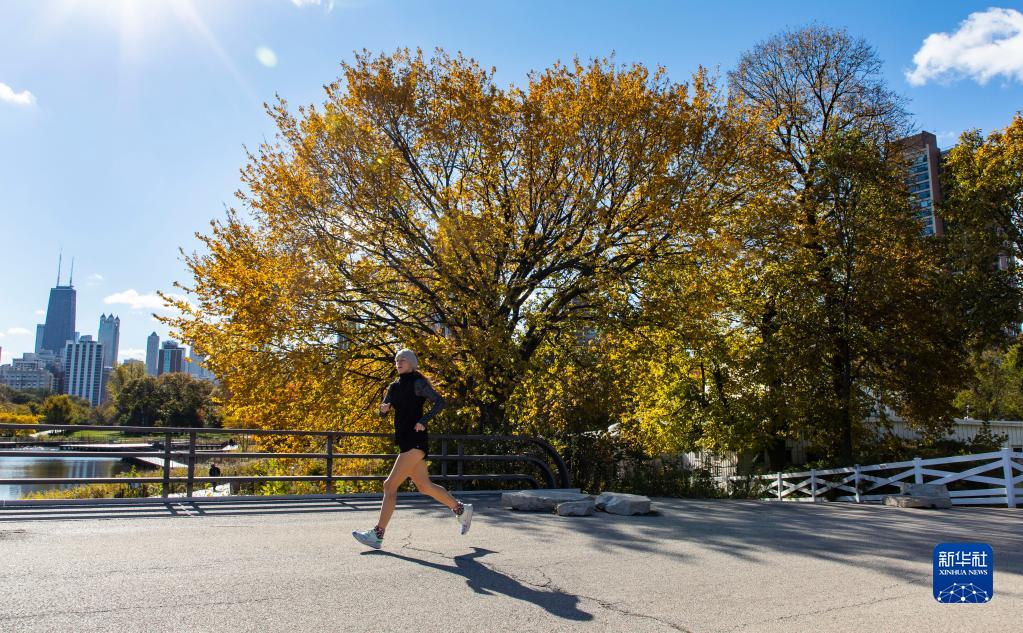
(842, 382)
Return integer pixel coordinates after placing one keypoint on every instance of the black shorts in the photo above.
(415, 439)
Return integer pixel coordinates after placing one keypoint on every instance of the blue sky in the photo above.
(123, 122)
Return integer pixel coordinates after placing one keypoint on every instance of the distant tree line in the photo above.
(136, 399)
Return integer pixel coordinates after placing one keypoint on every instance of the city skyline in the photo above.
(125, 125)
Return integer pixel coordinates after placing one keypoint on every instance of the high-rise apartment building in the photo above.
(170, 358)
(27, 372)
(109, 336)
(83, 369)
(152, 354)
(923, 179)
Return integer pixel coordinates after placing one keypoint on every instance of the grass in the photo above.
(94, 436)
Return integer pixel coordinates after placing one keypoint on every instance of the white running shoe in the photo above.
(369, 537)
(465, 519)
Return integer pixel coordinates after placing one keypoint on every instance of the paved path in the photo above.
(699, 566)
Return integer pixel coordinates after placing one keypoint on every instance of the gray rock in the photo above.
(923, 490)
(905, 501)
(539, 500)
(582, 508)
(920, 496)
(622, 503)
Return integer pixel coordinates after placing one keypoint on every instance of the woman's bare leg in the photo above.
(402, 470)
(421, 478)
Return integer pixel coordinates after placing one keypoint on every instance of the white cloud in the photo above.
(987, 44)
(23, 98)
(40, 312)
(329, 4)
(136, 301)
(94, 279)
(266, 56)
(17, 331)
(132, 352)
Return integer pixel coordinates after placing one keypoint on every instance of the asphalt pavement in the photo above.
(696, 565)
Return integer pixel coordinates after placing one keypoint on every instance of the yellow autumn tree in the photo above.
(422, 205)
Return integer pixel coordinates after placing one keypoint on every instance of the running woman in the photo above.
(406, 396)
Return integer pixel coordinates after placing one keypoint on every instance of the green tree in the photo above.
(836, 285)
(174, 399)
(984, 180)
(983, 208)
(139, 402)
(64, 409)
(186, 401)
(120, 376)
(995, 388)
(23, 396)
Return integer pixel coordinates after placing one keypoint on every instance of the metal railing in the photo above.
(173, 454)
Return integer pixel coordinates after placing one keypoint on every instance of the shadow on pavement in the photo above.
(486, 581)
(843, 533)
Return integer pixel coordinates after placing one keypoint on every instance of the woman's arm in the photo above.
(385, 406)
(425, 390)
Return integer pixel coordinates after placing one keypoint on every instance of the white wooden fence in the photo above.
(976, 485)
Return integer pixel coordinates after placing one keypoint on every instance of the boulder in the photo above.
(920, 496)
(923, 490)
(622, 503)
(582, 508)
(905, 501)
(540, 500)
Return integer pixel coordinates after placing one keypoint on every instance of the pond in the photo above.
(54, 467)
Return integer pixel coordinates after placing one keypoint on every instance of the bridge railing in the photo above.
(993, 478)
(170, 454)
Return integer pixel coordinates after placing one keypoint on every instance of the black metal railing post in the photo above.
(444, 457)
(330, 464)
(166, 463)
(461, 465)
(190, 486)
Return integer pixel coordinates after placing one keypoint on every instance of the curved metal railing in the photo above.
(167, 455)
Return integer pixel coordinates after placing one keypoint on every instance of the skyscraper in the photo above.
(60, 315)
(39, 338)
(109, 336)
(83, 369)
(923, 180)
(196, 366)
(170, 358)
(152, 354)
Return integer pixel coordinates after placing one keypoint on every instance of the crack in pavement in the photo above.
(605, 604)
(835, 608)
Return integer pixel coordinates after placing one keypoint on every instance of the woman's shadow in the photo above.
(486, 581)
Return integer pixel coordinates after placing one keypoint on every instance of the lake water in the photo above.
(54, 467)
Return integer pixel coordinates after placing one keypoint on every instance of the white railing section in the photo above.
(990, 479)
